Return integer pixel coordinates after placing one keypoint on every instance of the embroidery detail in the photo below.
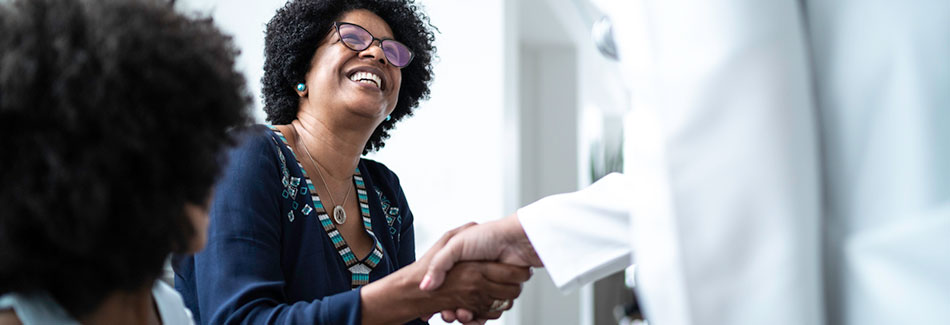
(290, 216)
(291, 184)
(393, 219)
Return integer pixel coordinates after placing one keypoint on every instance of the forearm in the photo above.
(518, 249)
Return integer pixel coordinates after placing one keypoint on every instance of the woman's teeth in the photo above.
(367, 77)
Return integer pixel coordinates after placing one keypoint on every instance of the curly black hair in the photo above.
(113, 114)
(300, 26)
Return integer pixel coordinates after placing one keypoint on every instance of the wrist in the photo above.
(401, 289)
(512, 229)
(516, 241)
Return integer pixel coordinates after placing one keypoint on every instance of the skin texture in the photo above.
(328, 80)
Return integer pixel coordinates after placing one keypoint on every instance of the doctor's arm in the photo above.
(580, 237)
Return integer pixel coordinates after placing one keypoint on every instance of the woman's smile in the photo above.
(367, 79)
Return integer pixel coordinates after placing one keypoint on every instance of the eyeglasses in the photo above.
(358, 39)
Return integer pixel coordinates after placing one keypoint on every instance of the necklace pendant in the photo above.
(339, 215)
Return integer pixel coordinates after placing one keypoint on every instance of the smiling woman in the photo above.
(302, 229)
(292, 38)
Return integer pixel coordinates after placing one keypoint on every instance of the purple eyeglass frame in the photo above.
(339, 34)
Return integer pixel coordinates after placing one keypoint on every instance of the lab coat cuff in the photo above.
(568, 268)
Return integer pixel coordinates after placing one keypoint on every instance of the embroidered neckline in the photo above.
(359, 269)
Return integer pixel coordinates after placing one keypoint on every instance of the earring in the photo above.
(389, 117)
(301, 87)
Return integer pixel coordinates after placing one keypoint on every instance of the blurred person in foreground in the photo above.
(786, 164)
(112, 117)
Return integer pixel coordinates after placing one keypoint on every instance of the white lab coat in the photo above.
(787, 162)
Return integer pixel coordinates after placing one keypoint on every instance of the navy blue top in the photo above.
(263, 266)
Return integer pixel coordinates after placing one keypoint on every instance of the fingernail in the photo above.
(424, 285)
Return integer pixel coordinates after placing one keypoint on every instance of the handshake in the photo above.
(470, 275)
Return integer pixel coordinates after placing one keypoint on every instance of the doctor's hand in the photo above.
(501, 240)
(482, 288)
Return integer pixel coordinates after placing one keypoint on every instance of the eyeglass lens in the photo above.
(358, 39)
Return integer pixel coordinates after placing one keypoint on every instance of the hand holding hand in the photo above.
(502, 240)
(483, 288)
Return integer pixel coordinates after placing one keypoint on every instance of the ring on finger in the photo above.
(499, 305)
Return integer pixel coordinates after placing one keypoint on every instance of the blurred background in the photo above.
(523, 105)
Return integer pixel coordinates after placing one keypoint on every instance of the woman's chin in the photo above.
(369, 108)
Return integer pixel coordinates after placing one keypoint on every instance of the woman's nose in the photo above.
(375, 52)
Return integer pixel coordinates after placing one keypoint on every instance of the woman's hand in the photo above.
(464, 281)
(472, 286)
(476, 286)
(502, 240)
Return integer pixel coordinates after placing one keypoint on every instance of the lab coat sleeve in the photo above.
(581, 236)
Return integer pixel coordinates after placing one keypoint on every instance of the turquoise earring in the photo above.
(388, 117)
(301, 87)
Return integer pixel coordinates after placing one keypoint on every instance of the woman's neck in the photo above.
(136, 307)
(336, 149)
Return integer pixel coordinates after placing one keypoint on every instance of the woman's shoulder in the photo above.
(254, 143)
(252, 137)
(255, 153)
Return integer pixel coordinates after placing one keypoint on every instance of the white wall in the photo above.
(549, 147)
